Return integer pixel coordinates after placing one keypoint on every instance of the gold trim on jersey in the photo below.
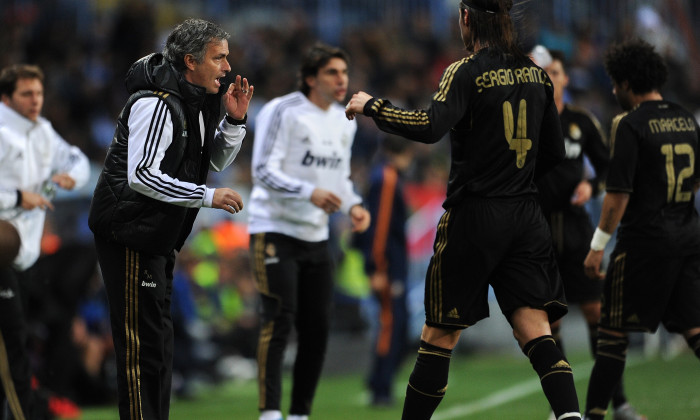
(446, 81)
(377, 104)
(131, 329)
(435, 282)
(8, 384)
(400, 115)
(613, 131)
(616, 291)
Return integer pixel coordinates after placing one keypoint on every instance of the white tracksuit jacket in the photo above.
(30, 154)
(299, 147)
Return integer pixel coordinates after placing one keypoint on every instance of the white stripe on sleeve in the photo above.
(150, 135)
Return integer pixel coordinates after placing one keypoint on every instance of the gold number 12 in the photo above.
(675, 185)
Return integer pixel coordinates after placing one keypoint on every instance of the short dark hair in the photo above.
(636, 63)
(191, 37)
(559, 56)
(393, 144)
(318, 56)
(10, 74)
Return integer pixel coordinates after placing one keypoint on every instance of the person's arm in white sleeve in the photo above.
(346, 189)
(270, 150)
(71, 161)
(8, 195)
(150, 135)
(227, 143)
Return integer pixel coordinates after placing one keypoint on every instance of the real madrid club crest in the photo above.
(572, 142)
(574, 131)
(270, 250)
(271, 254)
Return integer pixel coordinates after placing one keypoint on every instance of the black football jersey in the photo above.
(582, 136)
(502, 121)
(654, 151)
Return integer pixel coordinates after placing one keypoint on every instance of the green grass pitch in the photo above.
(481, 387)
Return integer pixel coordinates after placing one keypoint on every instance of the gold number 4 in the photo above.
(675, 184)
(520, 143)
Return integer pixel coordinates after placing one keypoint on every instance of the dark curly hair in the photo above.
(637, 63)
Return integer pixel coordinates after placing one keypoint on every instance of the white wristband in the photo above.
(600, 239)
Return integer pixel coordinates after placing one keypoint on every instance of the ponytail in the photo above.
(490, 23)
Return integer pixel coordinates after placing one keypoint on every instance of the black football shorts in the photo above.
(572, 231)
(502, 243)
(642, 290)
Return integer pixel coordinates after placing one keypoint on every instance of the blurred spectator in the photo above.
(385, 249)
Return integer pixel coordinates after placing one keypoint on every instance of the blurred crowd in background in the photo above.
(398, 50)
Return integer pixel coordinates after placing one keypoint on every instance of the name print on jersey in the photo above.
(332, 162)
(671, 125)
(509, 77)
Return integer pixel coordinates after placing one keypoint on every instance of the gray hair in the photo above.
(191, 37)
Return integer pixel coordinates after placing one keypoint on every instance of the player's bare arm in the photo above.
(614, 205)
(227, 199)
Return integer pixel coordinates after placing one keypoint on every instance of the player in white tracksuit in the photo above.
(301, 170)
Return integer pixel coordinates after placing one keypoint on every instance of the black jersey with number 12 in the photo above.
(654, 150)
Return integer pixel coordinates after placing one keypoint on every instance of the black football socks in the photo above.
(556, 377)
(427, 383)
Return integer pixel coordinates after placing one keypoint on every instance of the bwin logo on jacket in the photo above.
(332, 162)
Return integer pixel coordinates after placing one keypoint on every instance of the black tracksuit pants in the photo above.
(139, 288)
(15, 374)
(295, 281)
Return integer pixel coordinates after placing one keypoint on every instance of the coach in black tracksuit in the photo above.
(149, 192)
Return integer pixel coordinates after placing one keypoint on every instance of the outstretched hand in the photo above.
(237, 98)
(356, 104)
